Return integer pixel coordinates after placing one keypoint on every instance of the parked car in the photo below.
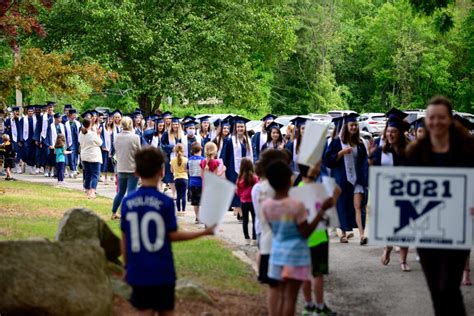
(337, 113)
(373, 123)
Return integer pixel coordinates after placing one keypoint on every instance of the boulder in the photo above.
(188, 290)
(84, 224)
(53, 278)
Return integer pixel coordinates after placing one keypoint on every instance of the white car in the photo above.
(337, 113)
(373, 123)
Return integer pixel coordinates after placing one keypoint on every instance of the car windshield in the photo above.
(378, 118)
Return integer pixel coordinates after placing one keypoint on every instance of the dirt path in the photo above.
(357, 285)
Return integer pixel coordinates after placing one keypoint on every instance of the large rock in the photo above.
(53, 278)
(83, 224)
(189, 290)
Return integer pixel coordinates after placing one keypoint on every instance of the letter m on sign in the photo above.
(408, 211)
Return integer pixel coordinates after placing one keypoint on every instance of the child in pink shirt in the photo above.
(245, 182)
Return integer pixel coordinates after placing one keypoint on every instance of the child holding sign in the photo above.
(148, 225)
(289, 259)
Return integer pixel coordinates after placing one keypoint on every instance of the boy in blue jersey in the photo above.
(148, 225)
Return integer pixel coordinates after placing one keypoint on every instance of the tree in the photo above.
(184, 49)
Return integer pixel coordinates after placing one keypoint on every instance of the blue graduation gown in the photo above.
(228, 159)
(256, 146)
(345, 203)
(29, 147)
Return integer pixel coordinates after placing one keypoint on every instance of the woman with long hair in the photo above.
(180, 175)
(224, 133)
(275, 138)
(205, 130)
(445, 145)
(346, 155)
(392, 153)
(293, 146)
(170, 138)
(261, 138)
(236, 148)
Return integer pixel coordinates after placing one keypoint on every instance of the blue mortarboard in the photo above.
(72, 111)
(217, 122)
(30, 107)
(57, 115)
(138, 110)
(83, 115)
(153, 117)
(50, 103)
(299, 121)
(15, 108)
(239, 120)
(43, 106)
(464, 122)
(398, 123)
(273, 125)
(190, 123)
(393, 112)
(167, 114)
(137, 113)
(148, 118)
(188, 118)
(269, 117)
(67, 106)
(338, 123)
(158, 119)
(94, 113)
(225, 122)
(175, 119)
(204, 118)
(117, 112)
(352, 117)
(418, 123)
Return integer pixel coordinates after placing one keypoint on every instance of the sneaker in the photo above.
(325, 311)
(309, 309)
(247, 242)
(196, 221)
(46, 174)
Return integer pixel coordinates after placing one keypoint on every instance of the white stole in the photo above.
(26, 126)
(44, 126)
(155, 142)
(69, 131)
(173, 154)
(295, 154)
(54, 134)
(350, 165)
(387, 159)
(263, 140)
(14, 130)
(107, 139)
(237, 147)
(116, 130)
(184, 141)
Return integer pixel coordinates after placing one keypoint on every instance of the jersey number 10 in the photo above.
(139, 231)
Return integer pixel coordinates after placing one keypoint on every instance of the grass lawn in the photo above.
(34, 210)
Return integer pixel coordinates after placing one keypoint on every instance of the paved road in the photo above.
(358, 284)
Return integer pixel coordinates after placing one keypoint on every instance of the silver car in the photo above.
(373, 123)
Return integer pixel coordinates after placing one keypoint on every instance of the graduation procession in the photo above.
(292, 187)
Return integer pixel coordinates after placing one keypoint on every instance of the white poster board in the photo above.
(216, 198)
(312, 144)
(312, 195)
(421, 207)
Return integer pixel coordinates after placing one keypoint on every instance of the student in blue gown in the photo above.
(73, 127)
(205, 130)
(275, 138)
(54, 130)
(47, 161)
(13, 127)
(28, 124)
(261, 137)
(393, 112)
(167, 117)
(153, 136)
(236, 148)
(138, 126)
(170, 138)
(346, 155)
(223, 134)
(191, 137)
(419, 129)
(392, 153)
(107, 136)
(64, 117)
(293, 146)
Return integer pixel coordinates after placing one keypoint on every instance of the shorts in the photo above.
(195, 195)
(9, 163)
(299, 273)
(320, 259)
(155, 297)
(263, 272)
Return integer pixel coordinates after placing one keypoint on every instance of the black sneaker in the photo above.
(325, 311)
(309, 310)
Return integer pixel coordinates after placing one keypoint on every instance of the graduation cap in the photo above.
(398, 123)
(299, 121)
(338, 123)
(117, 111)
(273, 125)
(269, 117)
(393, 112)
(86, 113)
(30, 107)
(352, 117)
(100, 113)
(239, 120)
(217, 123)
(464, 122)
(166, 114)
(138, 110)
(43, 106)
(190, 123)
(72, 111)
(67, 106)
(204, 118)
(418, 123)
(94, 113)
(188, 118)
(50, 103)
(175, 119)
(137, 113)
(15, 108)
(57, 115)
(158, 119)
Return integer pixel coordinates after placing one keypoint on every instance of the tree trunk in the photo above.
(156, 104)
(144, 103)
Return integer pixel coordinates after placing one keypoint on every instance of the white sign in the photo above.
(312, 144)
(421, 207)
(217, 194)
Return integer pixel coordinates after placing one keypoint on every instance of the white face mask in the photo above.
(191, 131)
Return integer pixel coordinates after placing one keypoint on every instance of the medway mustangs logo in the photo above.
(422, 207)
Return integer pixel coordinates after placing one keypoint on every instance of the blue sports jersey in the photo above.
(147, 219)
(194, 170)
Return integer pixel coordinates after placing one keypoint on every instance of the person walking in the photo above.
(91, 157)
(126, 144)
